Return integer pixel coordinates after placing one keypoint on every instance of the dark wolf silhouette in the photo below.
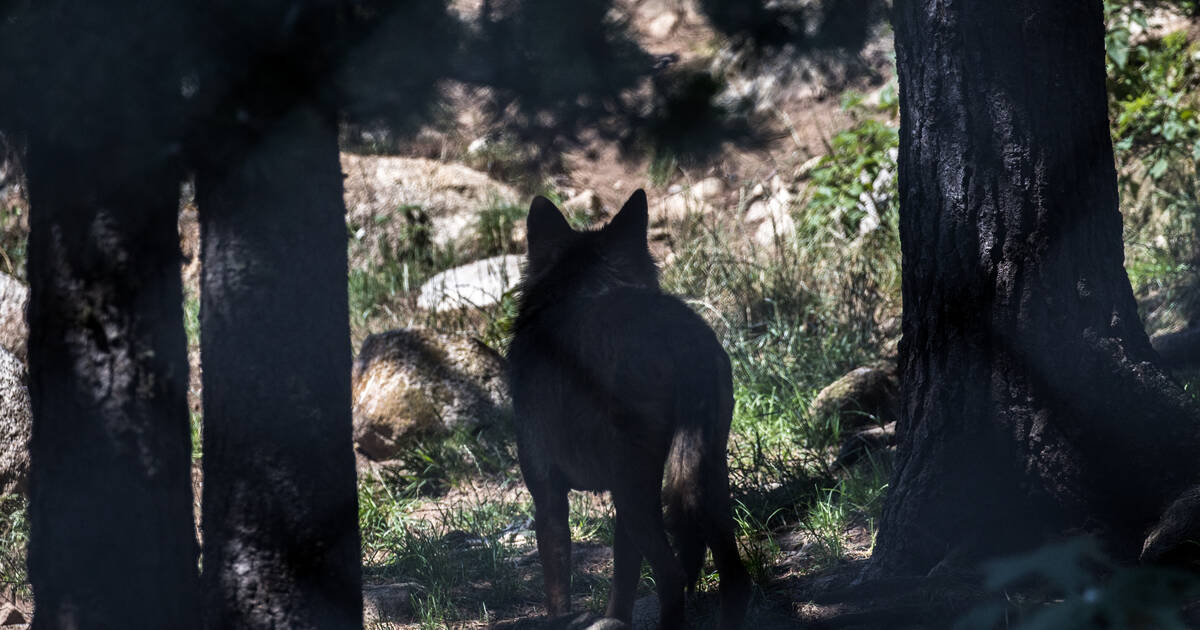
(618, 386)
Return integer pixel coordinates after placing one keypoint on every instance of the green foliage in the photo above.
(848, 228)
(1154, 103)
(494, 229)
(855, 182)
(759, 548)
(1081, 589)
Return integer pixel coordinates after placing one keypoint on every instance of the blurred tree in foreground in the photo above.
(1033, 403)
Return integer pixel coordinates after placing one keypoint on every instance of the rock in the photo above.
(678, 206)
(586, 202)
(1172, 540)
(1178, 349)
(866, 441)
(478, 284)
(450, 195)
(410, 383)
(478, 145)
(661, 26)
(13, 331)
(388, 603)
(10, 615)
(15, 423)
(707, 189)
(774, 217)
(864, 396)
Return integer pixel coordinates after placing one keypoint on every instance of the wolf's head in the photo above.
(589, 261)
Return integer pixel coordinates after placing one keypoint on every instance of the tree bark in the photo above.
(112, 543)
(280, 516)
(1032, 403)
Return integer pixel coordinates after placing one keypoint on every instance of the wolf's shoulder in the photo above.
(630, 310)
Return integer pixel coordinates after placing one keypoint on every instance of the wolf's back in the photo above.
(629, 365)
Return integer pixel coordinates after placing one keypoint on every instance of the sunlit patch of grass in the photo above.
(459, 553)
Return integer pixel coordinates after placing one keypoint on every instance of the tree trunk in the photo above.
(1032, 404)
(112, 543)
(280, 517)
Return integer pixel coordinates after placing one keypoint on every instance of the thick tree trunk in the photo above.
(1033, 406)
(280, 518)
(112, 543)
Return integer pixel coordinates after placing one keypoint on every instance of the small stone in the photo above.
(677, 207)
(707, 189)
(587, 202)
(771, 233)
(478, 145)
(661, 26)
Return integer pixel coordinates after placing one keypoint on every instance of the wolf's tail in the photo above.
(696, 483)
(684, 495)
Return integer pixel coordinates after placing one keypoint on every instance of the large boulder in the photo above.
(478, 284)
(412, 383)
(13, 331)
(15, 423)
(864, 396)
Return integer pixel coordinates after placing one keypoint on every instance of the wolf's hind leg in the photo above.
(638, 504)
(627, 565)
(735, 580)
(550, 511)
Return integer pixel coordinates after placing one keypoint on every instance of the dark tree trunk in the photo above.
(280, 517)
(1032, 404)
(112, 543)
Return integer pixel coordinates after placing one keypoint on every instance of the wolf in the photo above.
(618, 386)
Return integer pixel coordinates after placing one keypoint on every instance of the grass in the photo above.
(405, 256)
(427, 519)
(494, 229)
(14, 537)
(455, 550)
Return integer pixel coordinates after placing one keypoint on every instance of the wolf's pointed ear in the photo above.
(633, 219)
(545, 228)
